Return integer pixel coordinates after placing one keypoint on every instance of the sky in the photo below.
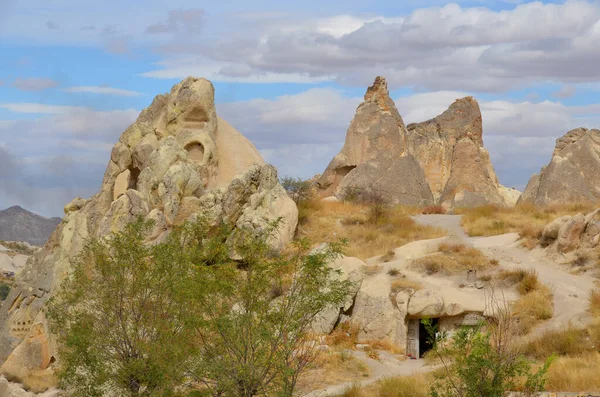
(288, 75)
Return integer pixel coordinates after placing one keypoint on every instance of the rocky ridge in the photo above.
(573, 173)
(457, 167)
(178, 160)
(439, 161)
(376, 156)
(18, 224)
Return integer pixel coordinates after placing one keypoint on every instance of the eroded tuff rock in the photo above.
(176, 161)
(457, 167)
(573, 174)
(573, 233)
(441, 160)
(376, 155)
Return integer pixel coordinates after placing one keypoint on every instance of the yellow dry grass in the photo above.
(453, 259)
(405, 386)
(595, 302)
(367, 236)
(575, 374)
(525, 219)
(332, 367)
(401, 283)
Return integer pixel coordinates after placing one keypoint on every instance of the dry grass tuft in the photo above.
(371, 270)
(344, 336)
(595, 302)
(536, 302)
(404, 386)
(452, 259)
(524, 280)
(388, 257)
(404, 283)
(575, 374)
(563, 342)
(433, 209)
(333, 367)
(369, 233)
(526, 219)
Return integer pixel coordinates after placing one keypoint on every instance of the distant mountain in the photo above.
(18, 224)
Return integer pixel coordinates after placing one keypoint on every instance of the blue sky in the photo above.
(288, 75)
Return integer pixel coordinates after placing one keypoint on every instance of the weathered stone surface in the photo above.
(426, 303)
(551, 230)
(30, 363)
(374, 312)
(441, 160)
(351, 269)
(573, 174)
(176, 161)
(457, 167)
(569, 234)
(376, 156)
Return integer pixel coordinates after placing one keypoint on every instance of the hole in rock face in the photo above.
(343, 171)
(196, 115)
(135, 174)
(195, 151)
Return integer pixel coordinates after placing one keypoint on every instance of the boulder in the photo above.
(573, 174)
(350, 269)
(177, 161)
(376, 158)
(426, 303)
(570, 233)
(457, 167)
(551, 230)
(374, 312)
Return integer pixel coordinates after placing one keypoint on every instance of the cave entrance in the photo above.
(425, 343)
(195, 152)
(419, 342)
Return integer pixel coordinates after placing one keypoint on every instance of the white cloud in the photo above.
(29, 107)
(436, 48)
(34, 84)
(103, 90)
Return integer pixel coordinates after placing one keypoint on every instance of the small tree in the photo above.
(298, 189)
(481, 361)
(156, 320)
(255, 342)
(122, 317)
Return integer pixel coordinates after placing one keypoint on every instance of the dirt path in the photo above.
(388, 365)
(571, 291)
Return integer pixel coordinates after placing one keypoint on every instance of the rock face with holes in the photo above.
(178, 160)
(376, 158)
(457, 167)
(573, 174)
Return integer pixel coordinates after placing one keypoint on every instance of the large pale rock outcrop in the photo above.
(457, 167)
(573, 233)
(376, 156)
(573, 174)
(177, 161)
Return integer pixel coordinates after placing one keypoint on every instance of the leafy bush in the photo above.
(4, 291)
(480, 361)
(298, 189)
(144, 320)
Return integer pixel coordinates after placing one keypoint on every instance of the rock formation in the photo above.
(458, 169)
(176, 161)
(376, 156)
(570, 233)
(573, 174)
(441, 160)
(18, 224)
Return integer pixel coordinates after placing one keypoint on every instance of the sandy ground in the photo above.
(571, 291)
